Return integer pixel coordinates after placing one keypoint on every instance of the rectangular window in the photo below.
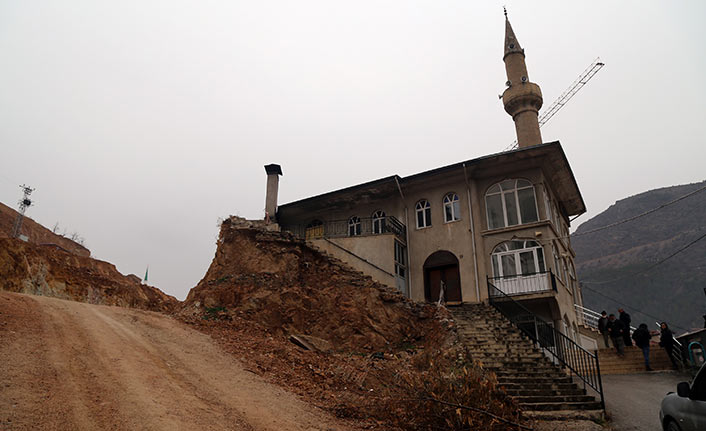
(528, 210)
(527, 265)
(400, 260)
(511, 207)
(509, 267)
(495, 211)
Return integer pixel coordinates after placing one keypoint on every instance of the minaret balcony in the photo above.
(520, 97)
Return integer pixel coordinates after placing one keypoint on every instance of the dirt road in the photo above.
(69, 365)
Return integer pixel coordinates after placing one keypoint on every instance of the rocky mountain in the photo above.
(616, 266)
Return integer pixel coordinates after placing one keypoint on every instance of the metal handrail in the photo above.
(566, 351)
(342, 228)
(676, 352)
(583, 311)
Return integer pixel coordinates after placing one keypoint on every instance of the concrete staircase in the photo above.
(539, 386)
(633, 362)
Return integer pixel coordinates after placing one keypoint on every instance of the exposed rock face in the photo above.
(37, 233)
(49, 271)
(282, 283)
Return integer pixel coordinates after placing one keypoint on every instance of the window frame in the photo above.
(496, 257)
(423, 207)
(354, 226)
(378, 222)
(453, 202)
(514, 191)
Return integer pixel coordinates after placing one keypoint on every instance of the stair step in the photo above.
(549, 406)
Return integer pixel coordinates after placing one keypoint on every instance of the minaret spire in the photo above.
(522, 98)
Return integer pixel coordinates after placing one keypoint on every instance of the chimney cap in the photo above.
(273, 169)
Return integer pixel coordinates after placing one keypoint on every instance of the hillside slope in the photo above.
(615, 262)
(47, 271)
(37, 233)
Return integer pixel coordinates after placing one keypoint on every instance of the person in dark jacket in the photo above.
(625, 320)
(615, 329)
(666, 340)
(603, 328)
(642, 340)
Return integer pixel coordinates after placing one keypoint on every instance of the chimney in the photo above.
(273, 173)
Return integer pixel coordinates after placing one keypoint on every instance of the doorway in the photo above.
(441, 268)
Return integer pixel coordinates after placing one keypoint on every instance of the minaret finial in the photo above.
(505, 11)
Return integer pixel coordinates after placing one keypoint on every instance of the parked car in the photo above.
(685, 410)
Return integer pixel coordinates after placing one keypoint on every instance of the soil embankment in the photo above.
(47, 271)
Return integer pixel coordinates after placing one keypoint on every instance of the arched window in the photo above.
(452, 208)
(509, 203)
(423, 210)
(378, 222)
(354, 226)
(518, 257)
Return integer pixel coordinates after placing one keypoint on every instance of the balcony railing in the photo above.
(343, 228)
(525, 284)
(565, 351)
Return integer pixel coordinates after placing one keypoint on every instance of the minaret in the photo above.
(522, 98)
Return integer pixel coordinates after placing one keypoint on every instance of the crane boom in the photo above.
(570, 92)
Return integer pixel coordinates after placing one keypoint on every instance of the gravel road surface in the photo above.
(69, 365)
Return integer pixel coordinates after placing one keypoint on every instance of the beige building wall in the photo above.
(454, 236)
(372, 255)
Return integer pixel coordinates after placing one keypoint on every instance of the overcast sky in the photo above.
(141, 123)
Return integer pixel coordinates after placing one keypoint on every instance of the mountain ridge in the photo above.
(619, 262)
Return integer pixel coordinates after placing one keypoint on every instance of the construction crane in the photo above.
(574, 88)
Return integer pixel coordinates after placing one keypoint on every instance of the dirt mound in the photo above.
(282, 283)
(37, 233)
(50, 271)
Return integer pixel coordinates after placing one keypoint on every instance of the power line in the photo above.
(651, 266)
(628, 306)
(640, 215)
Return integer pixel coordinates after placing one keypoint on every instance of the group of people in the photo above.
(618, 331)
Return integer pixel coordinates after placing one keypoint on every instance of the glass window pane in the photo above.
(528, 208)
(494, 189)
(508, 262)
(527, 263)
(511, 207)
(540, 260)
(448, 213)
(508, 185)
(494, 208)
(427, 214)
(420, 218)
(523, 183)
(496, 269)
(457, 210)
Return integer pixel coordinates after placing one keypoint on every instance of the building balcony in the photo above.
(525, 284)
(347, 229)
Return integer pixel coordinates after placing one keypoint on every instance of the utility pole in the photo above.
(24, 203)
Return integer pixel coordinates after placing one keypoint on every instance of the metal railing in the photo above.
(522, 284)
(565, 351)
(590, 319)
(344, 228)
(678, 352)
